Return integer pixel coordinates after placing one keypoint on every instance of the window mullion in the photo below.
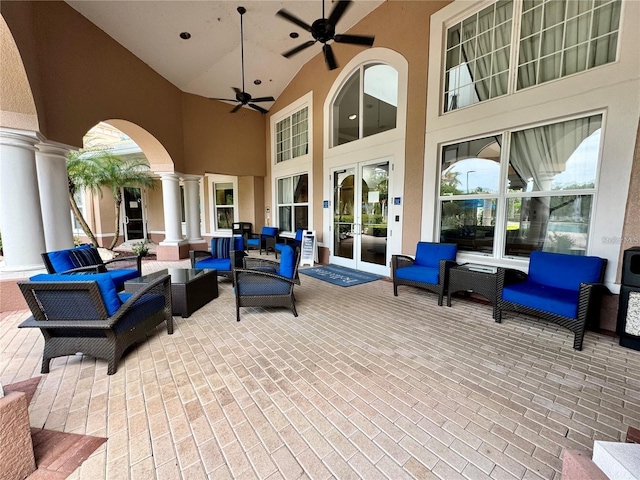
(516, 22)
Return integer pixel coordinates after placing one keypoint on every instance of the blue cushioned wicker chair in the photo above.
(429, 270)
(564, 289)
(86, 259)
(264, 283)
(294, 243)
(225, 255)
(84, 313)
(265, 240)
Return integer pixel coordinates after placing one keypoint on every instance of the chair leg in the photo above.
(237, 312)
(293, 309)
(45, 364)
(497, 313)
(395, 289)
(113, 368)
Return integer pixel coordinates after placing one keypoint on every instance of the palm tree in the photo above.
(96, 169)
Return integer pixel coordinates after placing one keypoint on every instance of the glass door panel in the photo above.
(133, 215)
(344, 197)
(373, 230)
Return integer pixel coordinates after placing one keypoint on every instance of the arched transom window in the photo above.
(366, 104)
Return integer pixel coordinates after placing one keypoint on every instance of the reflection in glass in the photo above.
(471, 167)
(343, 203)
(555, 224)
(560, 156)
(224, 205)
(380, 99)
(293, 198)
(374, 195)
(469, 223)
(346, 125)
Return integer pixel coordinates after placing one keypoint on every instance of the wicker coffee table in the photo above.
(465, 277)
(190, 288)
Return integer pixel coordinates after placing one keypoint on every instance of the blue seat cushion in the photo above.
(105, 283)
(418, 273)
(253, 242)
(562, 270)
(220, 264)
(429, 254)
(144, 307)
(287, 261)
(543, 297)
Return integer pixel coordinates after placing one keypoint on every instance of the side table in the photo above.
(467, 277)
(190, 288)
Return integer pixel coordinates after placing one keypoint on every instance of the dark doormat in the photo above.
(57, 454)
(343, 276)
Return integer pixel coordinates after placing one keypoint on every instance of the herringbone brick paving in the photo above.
(361, 385)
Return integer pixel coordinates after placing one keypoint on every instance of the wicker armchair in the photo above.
(265, 240)
(265, 283)
(226, 254)
(429, 269)
(85, 314)
(563, 289)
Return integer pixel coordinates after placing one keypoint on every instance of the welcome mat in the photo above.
(343, 276)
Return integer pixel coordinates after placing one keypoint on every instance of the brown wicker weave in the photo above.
(399, 261)
(94, 333)
(266, 277)
(589, 299)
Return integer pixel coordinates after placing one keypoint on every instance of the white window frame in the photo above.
(212, 180)
(512, 88)
(294, 166)
(281, 118)
(292, 204)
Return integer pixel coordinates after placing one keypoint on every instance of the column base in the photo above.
(23, 268)
(172, 251)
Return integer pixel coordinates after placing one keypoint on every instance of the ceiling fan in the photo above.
(242, 97)
(323, 30)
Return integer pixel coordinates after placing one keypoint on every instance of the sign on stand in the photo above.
(309, 253)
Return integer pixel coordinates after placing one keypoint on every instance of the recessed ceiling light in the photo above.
(294, 35)
(257, 81)
(185, 35)
(353, 116)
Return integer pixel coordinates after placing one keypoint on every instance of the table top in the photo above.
(477, 268)
(178, 275)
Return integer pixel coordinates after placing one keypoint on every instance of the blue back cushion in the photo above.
(287, 261)
(61, 260)
(563, 271)
(299, 233)
(429, 254)
(270, 231)
(220, 247)
(238, 242)
(107, 288)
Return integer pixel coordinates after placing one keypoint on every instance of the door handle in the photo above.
(126, 220)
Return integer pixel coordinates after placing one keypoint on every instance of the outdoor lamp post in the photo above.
(468, 172)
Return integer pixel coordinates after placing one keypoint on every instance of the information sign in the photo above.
(309, 253)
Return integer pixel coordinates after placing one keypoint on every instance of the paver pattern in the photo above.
(361, 385)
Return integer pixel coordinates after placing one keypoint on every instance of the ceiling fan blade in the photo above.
(338, 11)
(299, 48)
(263, 99)
(259, 108)
(224, 99)
(236, 108)
(292, 18)
(355, 39)
(328, 57)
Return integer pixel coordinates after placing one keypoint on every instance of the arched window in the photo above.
(366, 104)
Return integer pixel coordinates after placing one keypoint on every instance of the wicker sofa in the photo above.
(84, 313)
(86, 259)
(226, 253)
(560, 288)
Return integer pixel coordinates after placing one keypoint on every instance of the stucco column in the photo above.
(192, 208)
(173, 247)
(51, 164)
(20, 216)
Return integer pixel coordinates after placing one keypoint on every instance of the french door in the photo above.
(134, 227)
(360, 216)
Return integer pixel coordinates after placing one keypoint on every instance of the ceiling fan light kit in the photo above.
(242, 97)
(323, 30)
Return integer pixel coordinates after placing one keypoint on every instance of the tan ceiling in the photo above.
(208, 64)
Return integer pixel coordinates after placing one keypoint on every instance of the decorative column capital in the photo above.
(191, 178)
(19, 138)
(169, 177)
(50, 149)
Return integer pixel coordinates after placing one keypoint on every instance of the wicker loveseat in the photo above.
(86, 258)
(429, 269)
(560, 288)
(84, 313)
